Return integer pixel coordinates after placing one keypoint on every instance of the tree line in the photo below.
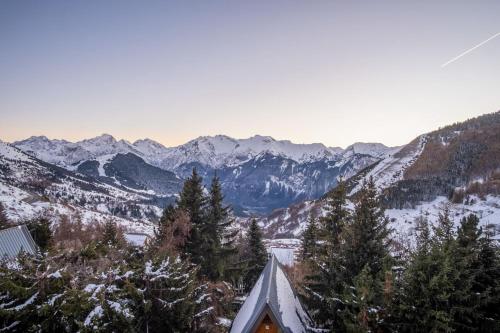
(356, 281)
(89, 279)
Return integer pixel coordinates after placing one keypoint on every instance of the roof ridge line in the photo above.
(268, 291)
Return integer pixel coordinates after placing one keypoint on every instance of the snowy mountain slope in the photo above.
(133, 172)
(393, 164)
(65, 154)
(258, 174)
(221, 150)
(216, 151)
(292, 221)
(30, 187)
(456, 165)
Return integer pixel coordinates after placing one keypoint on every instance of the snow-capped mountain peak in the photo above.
(213, 151)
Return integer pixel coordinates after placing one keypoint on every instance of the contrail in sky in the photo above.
(469, 50)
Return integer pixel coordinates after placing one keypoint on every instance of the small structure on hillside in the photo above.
(15, 240)
(136, 239)
(272, 306)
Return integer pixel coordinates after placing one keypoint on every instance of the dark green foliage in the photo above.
(158, 294)
(255, 254)
(41, 232)
(193, 202)
(309, 247)
(367, 262)
(167, 218)
(487, 284)
(210, 239)
(451, 283)
(337, 215)
(217, 239)
(325, 282)
(367, 236)
(4, 222)
(110, 236)
(346, 287)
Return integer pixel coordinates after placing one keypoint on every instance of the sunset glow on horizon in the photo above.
(334, 72)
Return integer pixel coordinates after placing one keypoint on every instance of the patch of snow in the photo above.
(293, 315)
(136, 239)
(248, 307)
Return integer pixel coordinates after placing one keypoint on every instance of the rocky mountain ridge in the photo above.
(258, 174)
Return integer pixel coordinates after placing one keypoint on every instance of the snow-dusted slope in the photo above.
(64, 153)
(222, 150)
(31, 188)
(456, 165)
(394, 162)
(258, 174)
(214, 151)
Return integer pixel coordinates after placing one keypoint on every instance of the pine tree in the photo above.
(193, 202)
(4, 222)
(337, 214)
(487, 284)
(325, 283)
(256, 255)
(18, 293)
(110, 235)
(218, 239)
(367, 235)
(41, 232)
(367, 259)
(309, 247)
(464, 302)
(472, 299)
(415, 310)
(166, 220)
(167, 297)
(444, 230)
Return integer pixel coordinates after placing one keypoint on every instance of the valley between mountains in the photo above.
(278, 182)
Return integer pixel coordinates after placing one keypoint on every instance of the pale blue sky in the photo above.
(310, 71)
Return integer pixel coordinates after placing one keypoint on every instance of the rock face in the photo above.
(132, 171)
(30, 187)
(258, 174)
(457, 165)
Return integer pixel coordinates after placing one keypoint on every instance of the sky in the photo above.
(335, 72)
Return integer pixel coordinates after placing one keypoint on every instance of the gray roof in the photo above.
(16, 239)
(272, 295)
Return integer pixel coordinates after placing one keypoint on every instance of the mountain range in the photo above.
(258, 174)
(279, 182)
(456, 166)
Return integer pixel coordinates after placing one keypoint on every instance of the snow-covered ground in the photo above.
(391, 168)
(215, 151)
(488, 211)
(21, 206)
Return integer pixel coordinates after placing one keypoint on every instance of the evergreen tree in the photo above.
(367, 235)
(336, 216)
(367, 260)
(256, 255)
(415, 310)
(166, 295)
(41, 232)
(218, 239)
(464, 301)
(18, 293)
(166, 220)
(486, 285)
(111, 236)
(193, 202)
(309, 247)
(4, 222)
(325, 283)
